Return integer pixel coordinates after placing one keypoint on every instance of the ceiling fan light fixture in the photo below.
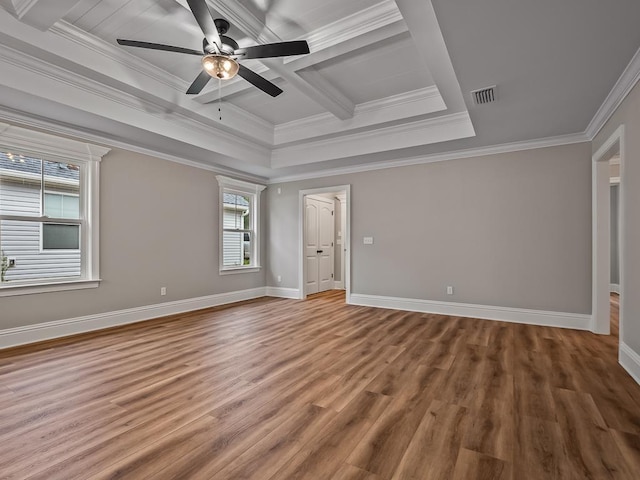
(220, 66)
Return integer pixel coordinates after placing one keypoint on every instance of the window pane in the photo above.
(20, 243)
(58, 205)
(20, 184)
(236, 209)
(62, 189)
(53, 205)
(60, 237)
(247, 249)
(232, 253)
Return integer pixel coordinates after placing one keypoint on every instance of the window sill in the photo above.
(232, 271)
(60, 286)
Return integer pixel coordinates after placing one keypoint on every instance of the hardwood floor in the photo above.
(283, 389)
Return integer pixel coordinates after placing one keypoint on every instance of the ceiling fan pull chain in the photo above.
(220, 98)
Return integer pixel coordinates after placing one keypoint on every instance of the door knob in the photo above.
(319, 251)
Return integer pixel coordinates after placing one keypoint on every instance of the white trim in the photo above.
(9, 290)
(360, 23)
(396, 107)
(50, 147)
(630, 361)
(282, 292)
(342, 198)
(614, 288)
(62, 328)
(88, 156)
(235, 270)
(247, 187)
(346, 237)
(601, 233)
(618, 93)
(253, 190)
(438, 157)
(504, 314)
(338, 285)
(614, 180)
(45, 124)
(409, 134)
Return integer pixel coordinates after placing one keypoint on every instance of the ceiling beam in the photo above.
(425, 31)
(317, 88)
(41, 14)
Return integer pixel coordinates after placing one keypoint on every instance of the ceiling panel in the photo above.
(286, 107)
(292, 18)
(80, 9)
(380, 71)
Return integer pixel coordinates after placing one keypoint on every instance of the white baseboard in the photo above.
(576, 321)
(630, 361)
(338, 285)
(61, 328)
(614, 288)
(282, 292)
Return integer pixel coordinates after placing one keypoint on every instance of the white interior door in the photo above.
(319, 233)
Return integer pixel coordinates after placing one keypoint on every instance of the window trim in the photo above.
(245, 188)
(59, 149)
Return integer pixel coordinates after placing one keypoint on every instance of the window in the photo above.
(239, 239)
(48, 212)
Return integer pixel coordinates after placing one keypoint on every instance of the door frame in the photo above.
(601, 234)
(346, 189)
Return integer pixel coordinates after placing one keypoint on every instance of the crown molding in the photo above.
(409, 134)
(35, 122)
(355, 25)
(396, 107)
(618, 93)
(437, 157)
(116, 54)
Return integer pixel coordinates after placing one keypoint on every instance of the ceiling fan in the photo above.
(220, 54)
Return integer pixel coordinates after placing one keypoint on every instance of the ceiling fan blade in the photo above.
(280, 49)
(259, 81)
(158, 46)
(199, 83)
(205, 20)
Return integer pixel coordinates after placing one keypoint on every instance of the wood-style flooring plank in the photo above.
(276, 389)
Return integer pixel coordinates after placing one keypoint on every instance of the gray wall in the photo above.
(615, 268)
(158, 227)
(511, 230)
(628, 114)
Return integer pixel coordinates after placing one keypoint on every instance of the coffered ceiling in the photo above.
(382, 82)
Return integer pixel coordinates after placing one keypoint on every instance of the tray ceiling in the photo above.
(379, 84)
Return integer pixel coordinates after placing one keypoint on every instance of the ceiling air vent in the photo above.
(484, 95)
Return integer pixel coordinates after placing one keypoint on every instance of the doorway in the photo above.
(607, 168)
(324, 247)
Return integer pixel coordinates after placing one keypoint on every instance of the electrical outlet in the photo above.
(163, 291)
(279, 278)
(449, 290)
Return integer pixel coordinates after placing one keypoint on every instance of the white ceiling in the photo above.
(385, 80)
